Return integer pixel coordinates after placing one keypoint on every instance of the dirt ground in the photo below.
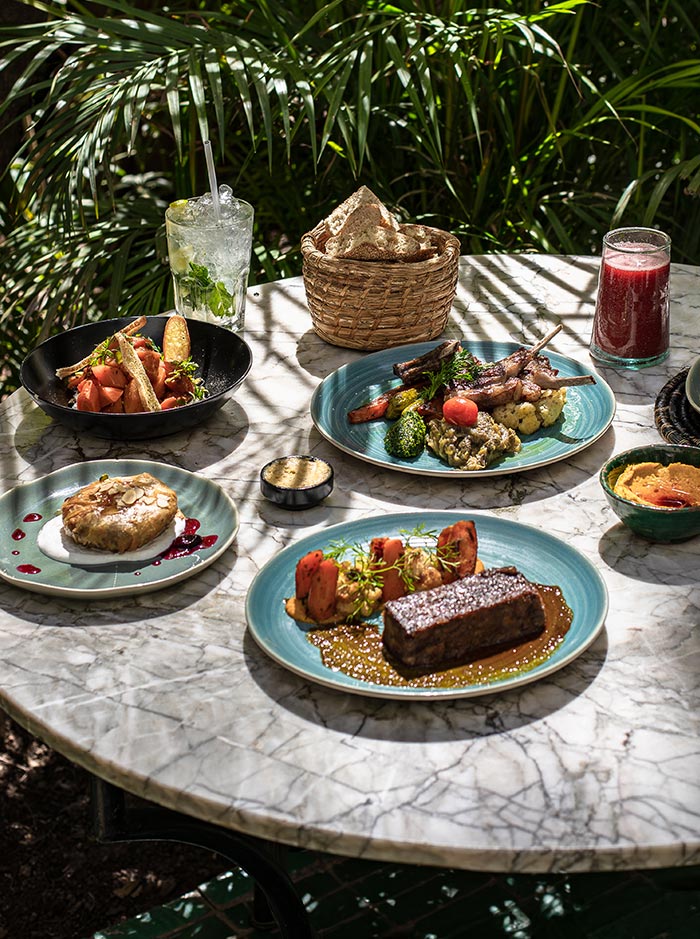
(56, 880)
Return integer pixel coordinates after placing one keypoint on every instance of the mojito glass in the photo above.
(210, 257)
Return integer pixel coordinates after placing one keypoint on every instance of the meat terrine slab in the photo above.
(540, 556)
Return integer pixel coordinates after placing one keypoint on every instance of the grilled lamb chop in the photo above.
(412, 371)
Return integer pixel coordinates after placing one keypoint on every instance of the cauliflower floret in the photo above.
(526, 417)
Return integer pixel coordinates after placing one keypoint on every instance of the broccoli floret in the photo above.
(406, 438)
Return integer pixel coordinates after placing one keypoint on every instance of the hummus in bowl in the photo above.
(655, 490)
(676, 486)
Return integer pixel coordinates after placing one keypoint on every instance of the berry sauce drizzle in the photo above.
(28, 569)
(32, 517)
(18, 534)
(187, 543)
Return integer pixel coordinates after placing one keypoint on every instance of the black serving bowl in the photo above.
(224, 360)
(296, 495)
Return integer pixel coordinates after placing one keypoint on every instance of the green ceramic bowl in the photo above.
(657, 523)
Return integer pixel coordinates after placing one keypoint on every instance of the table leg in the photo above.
(113, 821)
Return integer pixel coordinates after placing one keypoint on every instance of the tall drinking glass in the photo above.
(209, 255)
(631, 321)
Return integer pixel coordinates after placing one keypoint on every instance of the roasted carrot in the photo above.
(321, 599)
(393, 585)
(375, 409)
(457, 550)
(306, 568)
(376, 550)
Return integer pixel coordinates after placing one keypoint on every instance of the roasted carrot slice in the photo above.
(393, 585)
(457, 550)
(376, 550)
(306, 568)
(322, 591)
(375, 409)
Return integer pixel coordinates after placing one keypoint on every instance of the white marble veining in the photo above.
(596, 767)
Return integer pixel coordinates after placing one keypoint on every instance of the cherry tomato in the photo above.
(460, 411)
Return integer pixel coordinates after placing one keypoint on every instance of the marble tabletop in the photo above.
(167, 695)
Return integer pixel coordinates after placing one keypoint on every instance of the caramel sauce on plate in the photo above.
(356, 650)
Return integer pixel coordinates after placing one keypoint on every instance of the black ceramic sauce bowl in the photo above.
(295, 492)
(224, 360)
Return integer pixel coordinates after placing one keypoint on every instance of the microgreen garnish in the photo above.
(462, 366)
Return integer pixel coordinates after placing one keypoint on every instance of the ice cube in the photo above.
(225, 193)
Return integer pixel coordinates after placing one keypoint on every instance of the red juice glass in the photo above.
(631, 321)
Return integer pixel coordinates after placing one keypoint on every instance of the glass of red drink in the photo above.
(631, 321)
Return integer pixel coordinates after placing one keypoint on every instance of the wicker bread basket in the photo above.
(377, 304)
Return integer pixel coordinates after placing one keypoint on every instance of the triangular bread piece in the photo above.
(129, 330)
(132, 364)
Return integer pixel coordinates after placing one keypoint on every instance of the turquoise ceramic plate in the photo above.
(541, 557)
(23, 564)
(587, 415)
(692, 385)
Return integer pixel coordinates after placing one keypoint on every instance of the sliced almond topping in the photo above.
(163, 501)
(130, 496)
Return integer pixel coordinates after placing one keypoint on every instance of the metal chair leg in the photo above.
(275, 900)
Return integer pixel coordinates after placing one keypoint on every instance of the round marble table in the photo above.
(167, 696)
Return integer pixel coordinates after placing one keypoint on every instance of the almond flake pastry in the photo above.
(119, 514)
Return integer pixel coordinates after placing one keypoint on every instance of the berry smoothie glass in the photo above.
(631, 321)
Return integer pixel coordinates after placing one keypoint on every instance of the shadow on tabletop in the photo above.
(358, 715)
(44, 610)
(225, 431)
(648, 561)
(469, 493)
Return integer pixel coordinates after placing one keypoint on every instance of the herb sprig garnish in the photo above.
(462, 366)
(188, 368)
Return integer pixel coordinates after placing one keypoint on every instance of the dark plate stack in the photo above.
(676, 419)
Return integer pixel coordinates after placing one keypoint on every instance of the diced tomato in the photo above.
(181, 385)
(306, 568)
(457, 549)
(88, 396)
(150, 360)
(159, 383)
(110, 375)
(167, 403)
(142, 342)
(393, 584)
(321, 600)
(109, 394)
(75, 380)
(116, 408)
(132, 398)
(462, 412)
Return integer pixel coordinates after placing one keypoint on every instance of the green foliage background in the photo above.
(523, 126)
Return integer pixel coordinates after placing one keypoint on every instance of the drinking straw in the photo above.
(213, 185)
